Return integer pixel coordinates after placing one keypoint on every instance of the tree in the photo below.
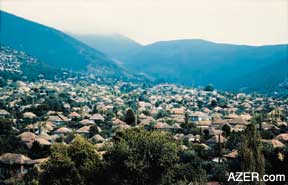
(37, 151)
(83, 154)
(234, 140)
(140, 157)
(60, 169)
(258, 119)
(251, 152)
(74, 164)
(213, 104)
(9, 142)
(209, 87)
(93, 130)
(186, 119)
(161, 114)
(130, 117)
(227, 130)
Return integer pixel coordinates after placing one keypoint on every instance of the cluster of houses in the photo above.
(8, 60)
(166, 107)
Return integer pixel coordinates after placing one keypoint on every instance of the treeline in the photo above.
(140, 157)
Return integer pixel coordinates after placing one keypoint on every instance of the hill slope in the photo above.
(53, 47)
(116, 46)
(199, 62)
(17, 65)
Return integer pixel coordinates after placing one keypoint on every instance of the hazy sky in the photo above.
(253, 22)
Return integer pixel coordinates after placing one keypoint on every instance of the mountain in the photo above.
(198, 62)
(116, 46)
(18, 65)
(273, 77)
(54, 47)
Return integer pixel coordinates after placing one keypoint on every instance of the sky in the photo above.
(250, 22)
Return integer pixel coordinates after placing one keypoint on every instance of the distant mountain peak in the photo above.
(114, 45)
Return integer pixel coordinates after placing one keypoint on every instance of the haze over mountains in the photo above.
(196, 62)
(191, 62)
(53, 47)
(116, 46)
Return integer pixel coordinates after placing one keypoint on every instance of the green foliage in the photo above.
(93, 130)
(109, 115)
(251, 152)
(60, 169)
(161, 114)
(276, 160)
(77, 163)
(227, 130)
(140, 157)
(37, 151)
(190, 128)
(8, 140)
(267, 134)
(209, 87)
(130, 117)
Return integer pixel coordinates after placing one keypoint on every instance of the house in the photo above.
(117, 121)
(122, 126)
(148, 120)
(14, 165)
(238, 128)
(198, 116)
(219, 123)
(214, 132)
(86, 122)
(29, 115)
(162, 126)
(192, 138)
(27, 137)
(178, 118)
(142, 116)
(62, 131)
(74, 115)
(178, 111)
(231, 116)
(96, 139)
(232, 155)
(83, 130)
(204, 124)
(4, 113)
(267, 126)
(97, 118)
(175, 126)
(45, 136)
(237, 121)
(282, 137)
(275, 143)
(40, 127)
(86, 109)
(216, 139)
(41, 141)
(178, 136)
(17, 165)
(58, 119)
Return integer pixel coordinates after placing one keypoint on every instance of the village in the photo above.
(43, 113)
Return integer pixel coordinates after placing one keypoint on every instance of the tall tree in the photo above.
(251, 152)
(130, 117)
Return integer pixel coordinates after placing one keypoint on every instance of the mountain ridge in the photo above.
(114, 45)
(54, 47)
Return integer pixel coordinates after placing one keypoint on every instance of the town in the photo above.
(208, 128)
